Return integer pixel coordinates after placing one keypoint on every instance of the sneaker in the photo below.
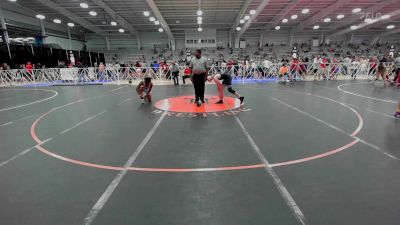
(241, 100)
(397, 115)
(198, 103)
(142, 101)
(220, 102)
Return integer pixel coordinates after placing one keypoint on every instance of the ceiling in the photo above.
(179, 15)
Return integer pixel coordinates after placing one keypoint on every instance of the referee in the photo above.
(199, 75)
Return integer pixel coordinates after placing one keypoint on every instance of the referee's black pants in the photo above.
(199, 83)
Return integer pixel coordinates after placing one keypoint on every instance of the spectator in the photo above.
(174, 69)
(165, 69)
(283, 72)
(29, 69)
(316, 67)
(187, 74)
(81, 71)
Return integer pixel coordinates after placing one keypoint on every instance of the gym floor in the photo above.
(321, 153)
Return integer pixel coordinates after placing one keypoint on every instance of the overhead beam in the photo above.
(19, 16)
(395, 31)
(240, 15)
(160, 18)
(73, 17)
(319, 16)
(280, 16)
(364, 24)
(259, 8)
(121, 21)
(373, 9)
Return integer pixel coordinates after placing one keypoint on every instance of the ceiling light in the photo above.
(305, 11)
(146, 13)
(40, 17)
(238, 28)
(57, 21)
(199, 29)
(385, 17)
(242, 21)
(293, 17)
(327, 20)
(70, 24)
(113, 23)
(199, 22)
(160, 30)
(157, 22)
(12, 0)
(390, 27)
(340, 16)
(354, 27)
(277, 28)
(121, 30)
(199, 12)
(199, 18)
(316, 27)
(285, 20)
(84, 5)
(246, 17)
(356, 10)
(252, 12)
(152, 19)
(93, 13)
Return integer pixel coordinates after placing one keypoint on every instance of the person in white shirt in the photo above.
(267, 64)
(316, 66)
(355, 66)
(346, 65)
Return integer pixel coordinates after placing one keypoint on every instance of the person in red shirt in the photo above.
(324, 65)
(294, 69)
(165, 69)
(186, 74)
(29, 69)
(302, 69)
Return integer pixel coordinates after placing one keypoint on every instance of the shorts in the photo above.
(226, 79)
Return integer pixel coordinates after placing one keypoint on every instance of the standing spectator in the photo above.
(355, 65)
(187, 74)
(316, 67)
(165, 69)
(174, 69)
(155, 66)
(346, 65)
(138, 69)
(29, 70)
(294, 69)
(81, 72)
(372, 66)
(102, 72)
(396, 79)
